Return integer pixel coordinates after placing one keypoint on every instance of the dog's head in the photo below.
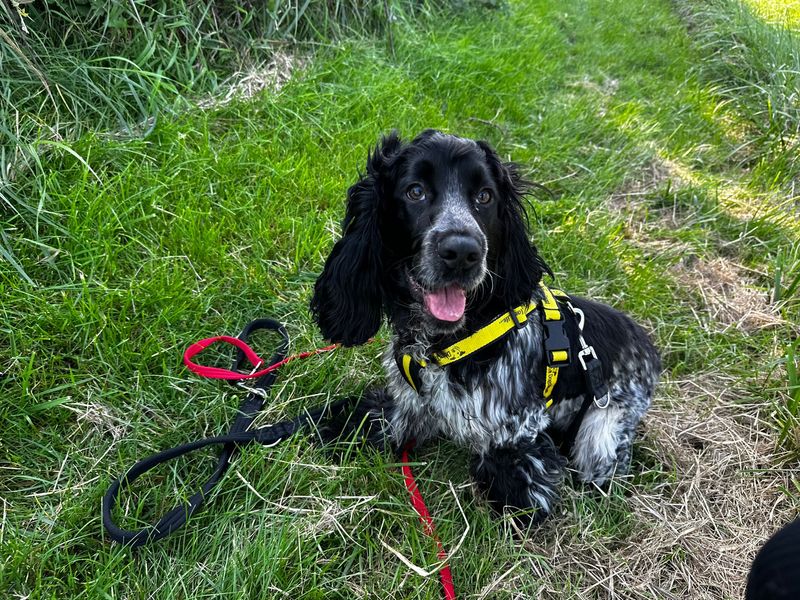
(435, 230)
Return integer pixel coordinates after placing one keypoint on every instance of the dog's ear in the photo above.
(519, 267)
(348, 297)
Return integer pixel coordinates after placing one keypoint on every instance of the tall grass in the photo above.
(112, 63)
(756, 66)
(71, 66)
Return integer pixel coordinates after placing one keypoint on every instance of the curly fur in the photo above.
(395, 252)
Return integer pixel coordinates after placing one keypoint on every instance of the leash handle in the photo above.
(175, 518)
(236, 437)
(217, 372)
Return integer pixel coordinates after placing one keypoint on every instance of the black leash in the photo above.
(237, 437)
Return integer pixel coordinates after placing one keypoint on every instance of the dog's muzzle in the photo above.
(459, 252)
(453, 264)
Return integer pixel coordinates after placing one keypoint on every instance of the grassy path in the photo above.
(225, 214)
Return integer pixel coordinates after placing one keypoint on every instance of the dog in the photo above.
(435, 239)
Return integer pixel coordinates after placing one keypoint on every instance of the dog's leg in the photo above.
(378, 419)
(523, 476)
(604, 442)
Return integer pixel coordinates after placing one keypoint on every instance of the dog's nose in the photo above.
(459, 251)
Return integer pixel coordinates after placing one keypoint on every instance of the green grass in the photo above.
(755, 65)
(780, 12)
(134, 247)
(74, 67)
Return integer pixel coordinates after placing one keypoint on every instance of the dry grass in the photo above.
(243, 85)
(100, 418)
(710, 486)
(633, 202)
(650, 178)
(715, 497)
(729, 294)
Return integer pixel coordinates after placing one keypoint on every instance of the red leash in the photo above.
(255, 360)
(416, 497)
(427, 523)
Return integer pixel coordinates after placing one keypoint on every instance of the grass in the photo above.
(756, 66)
(137, 245)
(780, 12)
(74, 67)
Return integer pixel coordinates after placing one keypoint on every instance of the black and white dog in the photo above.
(435, 238)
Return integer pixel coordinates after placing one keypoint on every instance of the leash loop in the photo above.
(237, 436)
(216, 372)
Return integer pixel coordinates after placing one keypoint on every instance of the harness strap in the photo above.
(411, 369)
(556, 343)
(487, 334)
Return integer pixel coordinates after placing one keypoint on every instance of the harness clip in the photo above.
(594, 377)
(588, 351)
(556, 344)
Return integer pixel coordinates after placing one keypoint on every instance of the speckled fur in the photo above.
(491, 404)
(481, 416)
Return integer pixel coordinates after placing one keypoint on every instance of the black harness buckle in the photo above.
(556, 344)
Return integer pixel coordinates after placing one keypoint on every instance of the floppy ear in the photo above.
(348, 298)
(519, 268)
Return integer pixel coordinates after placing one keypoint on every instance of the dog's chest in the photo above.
(493, 407)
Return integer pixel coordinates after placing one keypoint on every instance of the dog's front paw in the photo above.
(366, 421)
(522, 478)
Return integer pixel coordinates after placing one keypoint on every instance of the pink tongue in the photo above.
(446, 304)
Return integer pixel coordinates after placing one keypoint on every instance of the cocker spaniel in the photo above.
(435, 239)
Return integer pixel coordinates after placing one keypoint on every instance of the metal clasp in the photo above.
(587, 351)
(594, 376)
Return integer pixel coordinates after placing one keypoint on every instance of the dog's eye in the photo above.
(415, 192)
(484, 197)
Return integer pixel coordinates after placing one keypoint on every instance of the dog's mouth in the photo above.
(446, 304)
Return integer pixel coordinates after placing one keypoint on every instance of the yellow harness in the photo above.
(556, 343)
